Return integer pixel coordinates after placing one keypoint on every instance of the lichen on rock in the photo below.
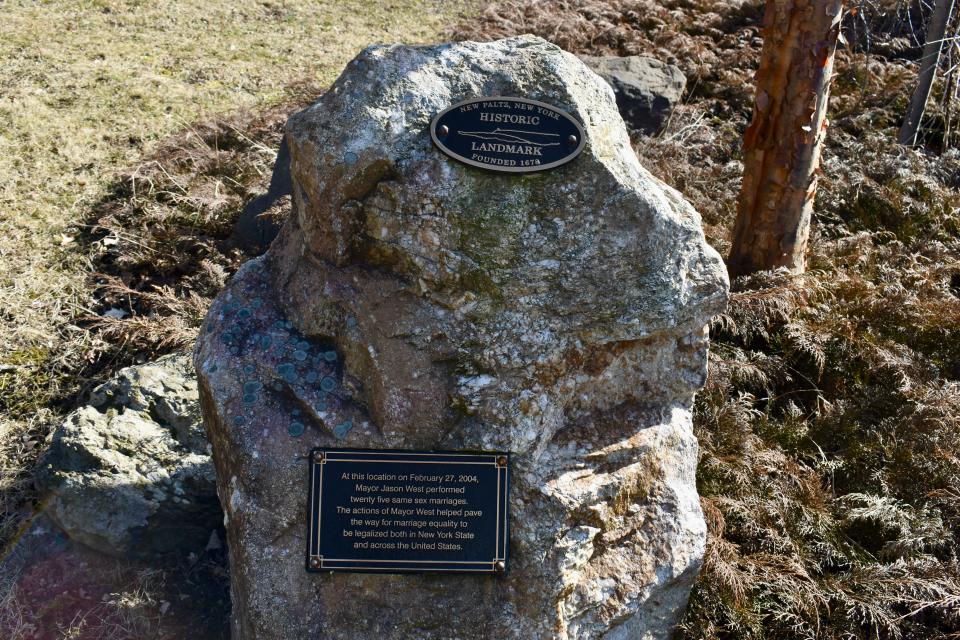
(559, 315)
(129, 473)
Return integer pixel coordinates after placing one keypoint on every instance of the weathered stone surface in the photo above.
(130, 473)
(647, 90)
(255, 228)
(414, 302)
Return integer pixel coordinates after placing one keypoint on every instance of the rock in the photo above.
(413, 302)
(255, 230)
(646, 89)
(130, 474)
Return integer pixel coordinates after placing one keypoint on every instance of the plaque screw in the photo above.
(315, 563)
(502, 461)
(443, 130)
(318, 456)
(500, 566)
(571, 139)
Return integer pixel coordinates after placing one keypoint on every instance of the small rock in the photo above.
(129, 473)
(255, 230)
(646, 89)
(114, 312)
(214, 544)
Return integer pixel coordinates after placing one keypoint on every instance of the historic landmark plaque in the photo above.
(408, 511)
(507, 134)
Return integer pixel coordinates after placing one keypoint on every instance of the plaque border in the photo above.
(531, 169)
(320, 456)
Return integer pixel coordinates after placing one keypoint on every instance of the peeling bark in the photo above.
(781, 147)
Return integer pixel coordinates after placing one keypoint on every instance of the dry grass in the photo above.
(829, 426)
(117, 601)
(88, 88)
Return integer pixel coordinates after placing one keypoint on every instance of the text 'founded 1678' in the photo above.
(403, 511)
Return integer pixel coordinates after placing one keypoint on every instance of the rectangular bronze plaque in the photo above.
(392, 511)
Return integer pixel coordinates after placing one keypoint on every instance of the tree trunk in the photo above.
(936, 30)
(781, 147)
(948, 100)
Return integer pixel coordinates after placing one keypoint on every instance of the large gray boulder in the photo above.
(647, 89)
(129, 474)
(414, 302)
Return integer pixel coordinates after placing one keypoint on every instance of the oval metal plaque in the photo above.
(507, 134)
